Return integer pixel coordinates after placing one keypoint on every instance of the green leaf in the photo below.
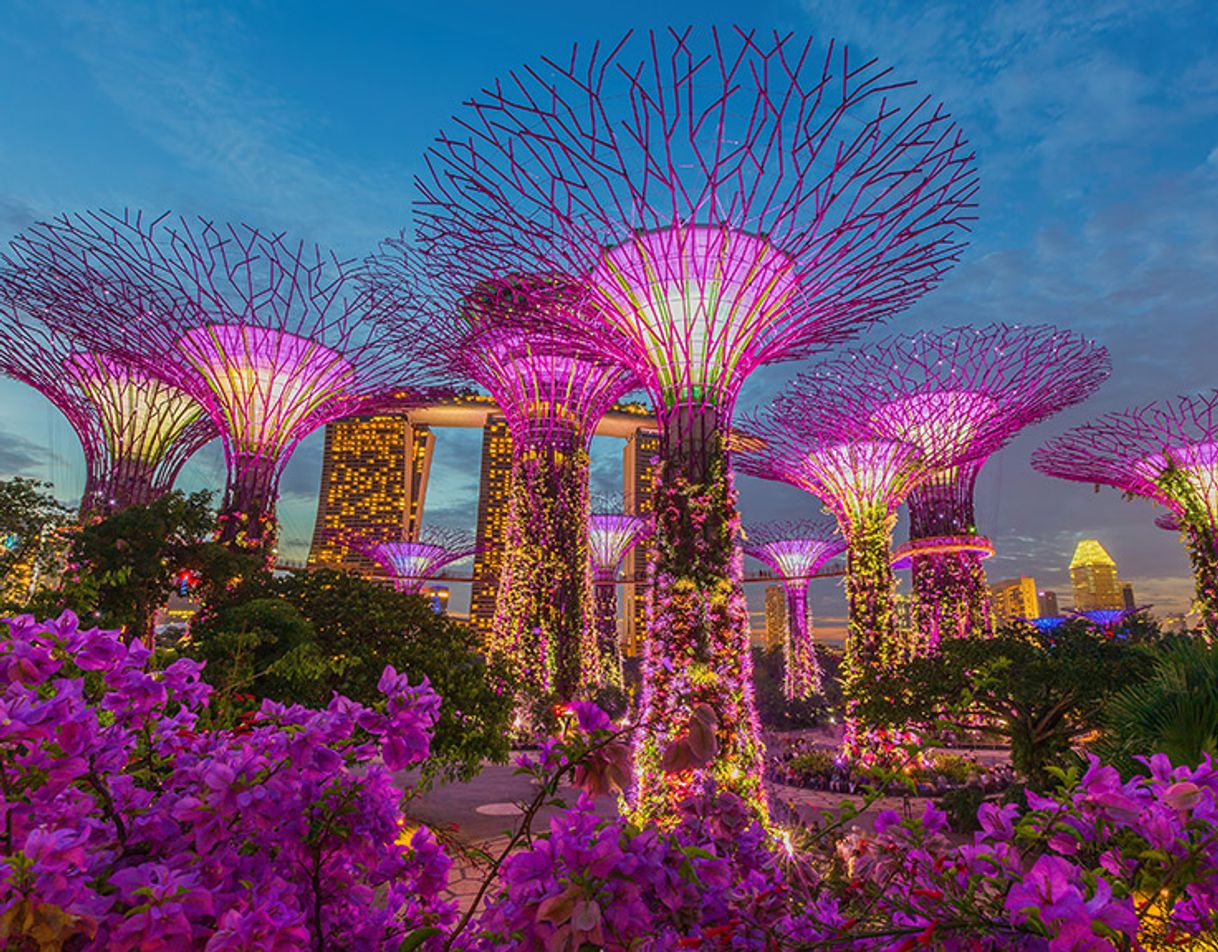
(418, 937)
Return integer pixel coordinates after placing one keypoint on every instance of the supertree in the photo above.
(411, 564)
(135, 430)
(732, 199)
(495, 333)
(796, 551)
(1166, 452)
(947, 393)
(611, 535)
(273, 339)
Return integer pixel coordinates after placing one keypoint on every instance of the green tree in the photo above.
(124, 567)
(1041, 690)
(1174, 711)
(302, 637)
(28, 517)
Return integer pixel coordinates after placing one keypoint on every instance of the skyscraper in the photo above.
(1093, 576)
(1047, 604)
(1014, 600)
(775, 616)
(1127, 600)
(373, 484)
(638, 477)
(492, 521)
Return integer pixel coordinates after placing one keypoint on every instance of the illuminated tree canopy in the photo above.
(796, 551)
(957, 395)
(136, 431)
(272, 338)
(411, 564)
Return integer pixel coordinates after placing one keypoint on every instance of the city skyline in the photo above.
(211, 113)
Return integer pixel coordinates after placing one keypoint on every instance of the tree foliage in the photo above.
(27, 514)
(302, 637)
(122, 568)
(776, 711)
(1041, 690)
(1173, 711)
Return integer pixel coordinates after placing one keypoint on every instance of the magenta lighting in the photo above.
(732, 199)
(273, 338)
(135, 430)
(1166, 452)
(495, 333)
(958, 394)
(611, 535)
(796, 551)
(411, 564)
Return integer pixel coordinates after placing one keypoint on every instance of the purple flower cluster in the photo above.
(1102, 864)
(129, 825)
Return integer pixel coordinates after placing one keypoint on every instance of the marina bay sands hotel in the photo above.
(374, 485)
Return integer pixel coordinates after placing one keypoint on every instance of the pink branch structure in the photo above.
(729, 200)
(411, 564)
(273, 339)
(1166, 452)
(949, 393)
(135, 430)
(552, 397)
(611, 535)
(796, 550)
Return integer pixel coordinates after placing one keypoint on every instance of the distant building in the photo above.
(1014, 600)
(638, 480)
(1127, 601)
(775, 616)
(1046, 604)
(492, 521)
(1093, 576)
(373, 484)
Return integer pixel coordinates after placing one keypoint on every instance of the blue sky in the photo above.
(1096, 126)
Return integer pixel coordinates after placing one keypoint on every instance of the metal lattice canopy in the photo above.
(1166, 452)
(730, 199)
(497, 334)
(610, 536)
(411, 564)
(136, 431)
(273, 338)
(794, 549)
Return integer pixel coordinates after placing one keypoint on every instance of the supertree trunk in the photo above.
(128, 483)
(543, 614)
(872, 643)
(951, 598)
(802, 677)
(1203, 553)
(608, 643)
(247, 517)
(697, 664)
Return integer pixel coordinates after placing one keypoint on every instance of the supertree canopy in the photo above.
(948, 393)
(1166, 452)
(273, 339)
(136, 431)
(796, 551)
(411, 564)
(552, 398)
(611, 535)
(731, 199)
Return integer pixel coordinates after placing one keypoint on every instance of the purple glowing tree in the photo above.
(411, 564)
(1166, 452)
(796, 551)
(273, 339)
(136, 431)
(731, 200)
(949, 393)
(611, 535)
(495, 333)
